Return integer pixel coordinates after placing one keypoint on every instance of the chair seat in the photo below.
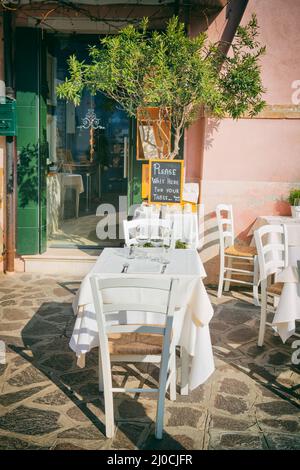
(275, 288)
(240, 250)
(135, 343)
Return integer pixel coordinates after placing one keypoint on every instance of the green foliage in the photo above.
(181, 245)
(177, 73)
(294, 194)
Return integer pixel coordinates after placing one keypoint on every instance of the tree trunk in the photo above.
(176, 147)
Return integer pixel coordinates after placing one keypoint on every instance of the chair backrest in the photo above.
(115, 298)
(225, 225)
(149, 228)
(272, 249)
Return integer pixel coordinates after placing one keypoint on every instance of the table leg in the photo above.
(87, 189)
(184, 386)
(63, 193)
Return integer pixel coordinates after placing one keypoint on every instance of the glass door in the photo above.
(88, 151)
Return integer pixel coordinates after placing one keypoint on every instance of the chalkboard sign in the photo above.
(166, 180)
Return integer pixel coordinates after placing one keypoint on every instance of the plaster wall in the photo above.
(252, 163)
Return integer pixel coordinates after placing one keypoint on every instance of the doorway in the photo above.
(88, 149)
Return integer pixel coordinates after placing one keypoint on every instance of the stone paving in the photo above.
(46, 402)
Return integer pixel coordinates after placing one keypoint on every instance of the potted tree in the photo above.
(294, 200)
(180, 75)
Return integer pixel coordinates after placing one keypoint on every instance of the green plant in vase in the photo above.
(294, 200)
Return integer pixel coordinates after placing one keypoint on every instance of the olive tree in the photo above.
(173, 72)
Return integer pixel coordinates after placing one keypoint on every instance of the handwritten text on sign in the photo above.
(166, 181)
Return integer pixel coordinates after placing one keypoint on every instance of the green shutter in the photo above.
(31, 141)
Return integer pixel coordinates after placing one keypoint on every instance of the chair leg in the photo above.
(228, 275)
(160, 409)
(163, 373)
(77, 204)
(184, 372)
(105, 378)
(100, 373)
(263, 314)
(173, 377)
(109, 413)
(221, 275)
(255, 281)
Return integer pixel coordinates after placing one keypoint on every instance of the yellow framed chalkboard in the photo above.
(166, 181)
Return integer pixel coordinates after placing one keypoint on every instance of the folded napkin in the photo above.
(143, 266)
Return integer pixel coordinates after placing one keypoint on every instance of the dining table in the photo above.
(193, 306)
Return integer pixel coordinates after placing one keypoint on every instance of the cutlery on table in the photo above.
(125, 267)
(163, 268)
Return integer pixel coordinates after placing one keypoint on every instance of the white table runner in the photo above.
(191, 320)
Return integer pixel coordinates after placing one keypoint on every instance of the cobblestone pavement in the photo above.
(46, 402)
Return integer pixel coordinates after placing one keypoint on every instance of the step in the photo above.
(62, 261)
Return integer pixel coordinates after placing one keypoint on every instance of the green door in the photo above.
(31, 95)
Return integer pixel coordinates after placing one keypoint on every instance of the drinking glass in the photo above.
(141, 235)
(165, 256)
(166, 236)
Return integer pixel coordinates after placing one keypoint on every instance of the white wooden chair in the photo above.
(123, 342)
(149, 227)
(272, 248)
(233, 252)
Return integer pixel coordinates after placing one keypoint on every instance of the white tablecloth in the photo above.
(185, 223)
(191, 319)
(72, 181)
(288, 309)
(56, 187)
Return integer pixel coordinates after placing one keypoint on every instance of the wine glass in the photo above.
(141, 235)
(165, 233)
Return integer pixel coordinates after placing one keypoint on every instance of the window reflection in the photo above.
(86, 152)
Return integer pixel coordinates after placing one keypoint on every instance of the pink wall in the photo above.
(279, 23)
(252, 163)
(252, 150)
